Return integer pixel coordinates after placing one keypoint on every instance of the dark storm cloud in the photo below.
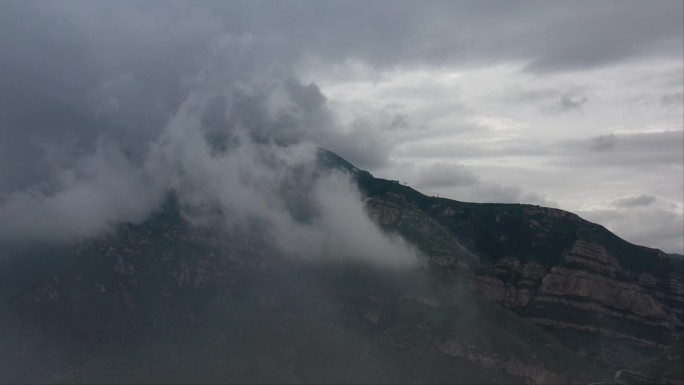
(119, 69)
(73, 72)
(551, 36)
(607, 32)
(111, 106)
(546, 34)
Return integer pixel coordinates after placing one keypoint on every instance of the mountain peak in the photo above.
(509, 292)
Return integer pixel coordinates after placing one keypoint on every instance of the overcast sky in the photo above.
(576, 105)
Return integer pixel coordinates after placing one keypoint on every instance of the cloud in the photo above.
(645, 149)
(569, 103)
(436, 83)
(104, 188)
(72, 73)
(607, 35)
(461, 182)
(268, 174)
(673, 99)
(342, 230)
(498, 193)
(604, 142)
(658, 227)
(238, 152)
(641, 200)
(364, 135)
(444, 174)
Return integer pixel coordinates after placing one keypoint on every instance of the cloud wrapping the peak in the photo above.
(238, 153)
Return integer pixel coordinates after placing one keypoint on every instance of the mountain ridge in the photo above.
(503, 284)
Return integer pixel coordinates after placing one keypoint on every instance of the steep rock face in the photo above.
(394, 212)
(384, 214)
(512, 283)
(606, 290)
(588, 292)
(589, 271)
(605, 299)
(589, 295)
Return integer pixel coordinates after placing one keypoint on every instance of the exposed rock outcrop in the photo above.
(604, 298)
(589, 292)
(511, 283)
(514, 367)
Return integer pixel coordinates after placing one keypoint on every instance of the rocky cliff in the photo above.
(605, 299)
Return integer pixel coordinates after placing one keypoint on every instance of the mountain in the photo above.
(666, 368)
(504, 293)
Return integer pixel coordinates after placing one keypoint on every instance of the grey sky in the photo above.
(576, 105)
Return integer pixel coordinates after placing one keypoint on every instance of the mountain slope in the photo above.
(168, 302)
(605, 298)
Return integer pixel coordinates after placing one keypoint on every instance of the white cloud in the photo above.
(502, 131)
